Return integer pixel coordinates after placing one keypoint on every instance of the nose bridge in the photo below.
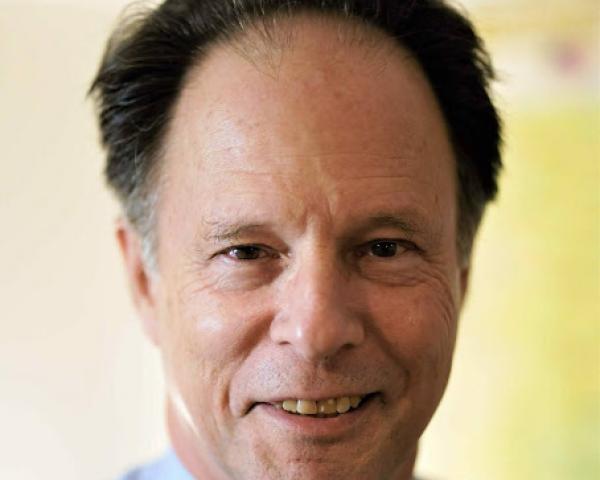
(315, 317)
(318, 281)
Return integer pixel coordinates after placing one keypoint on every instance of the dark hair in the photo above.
(148, 56)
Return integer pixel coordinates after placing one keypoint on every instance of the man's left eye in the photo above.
(383, 248)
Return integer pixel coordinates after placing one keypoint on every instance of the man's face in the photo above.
(306, 251)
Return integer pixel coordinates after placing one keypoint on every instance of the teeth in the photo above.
(306, 407)
(331, 406)
(327, 406)
(290, 406)
(343, 405)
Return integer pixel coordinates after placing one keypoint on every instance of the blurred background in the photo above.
(81, 390)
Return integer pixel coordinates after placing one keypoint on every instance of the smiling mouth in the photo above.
(327, 408)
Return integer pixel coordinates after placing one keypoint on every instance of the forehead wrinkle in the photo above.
(389, 219)
(309, 155)
(227, 224)
(321, 168)
(410, 221)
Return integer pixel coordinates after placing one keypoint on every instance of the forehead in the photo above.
(312, 109)
(312, 76)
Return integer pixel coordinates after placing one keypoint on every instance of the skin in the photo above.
(311, 158)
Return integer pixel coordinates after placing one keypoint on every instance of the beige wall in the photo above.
(80, 390)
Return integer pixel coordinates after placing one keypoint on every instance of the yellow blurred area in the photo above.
(524, 396)
(525, 389)
(80, 389)
(530, 331)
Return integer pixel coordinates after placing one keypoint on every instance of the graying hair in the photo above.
(150, 54)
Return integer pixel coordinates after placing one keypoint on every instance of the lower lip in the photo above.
(311, 426)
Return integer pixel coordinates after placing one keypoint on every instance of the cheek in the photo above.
(418, 326)
(205, 339)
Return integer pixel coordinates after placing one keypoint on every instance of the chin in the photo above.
(318, 467)
(359, 460)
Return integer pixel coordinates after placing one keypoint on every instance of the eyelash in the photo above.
(267, 252)
(399, 245)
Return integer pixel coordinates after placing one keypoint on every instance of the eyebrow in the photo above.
(399, 222)
(410, 224)
(223, 232)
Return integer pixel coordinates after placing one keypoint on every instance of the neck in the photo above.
(190, 447)
(407, 468)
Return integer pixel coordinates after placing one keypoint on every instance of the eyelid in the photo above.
(402, 243)
(409, 244)
(269, 252)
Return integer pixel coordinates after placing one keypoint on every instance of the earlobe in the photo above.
(140, 280)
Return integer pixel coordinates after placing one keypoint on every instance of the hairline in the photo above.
(265, 32)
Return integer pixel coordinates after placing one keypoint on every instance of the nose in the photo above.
(317, 314)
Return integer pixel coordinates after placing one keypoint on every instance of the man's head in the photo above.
(310, 176)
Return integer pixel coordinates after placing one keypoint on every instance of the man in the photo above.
(301, 184)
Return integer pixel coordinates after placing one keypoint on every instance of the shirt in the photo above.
(166, 468)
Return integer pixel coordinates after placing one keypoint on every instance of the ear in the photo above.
(142, 284)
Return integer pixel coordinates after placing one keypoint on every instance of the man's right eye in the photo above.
(246, 252)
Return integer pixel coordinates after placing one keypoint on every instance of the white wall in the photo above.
(80, 390)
